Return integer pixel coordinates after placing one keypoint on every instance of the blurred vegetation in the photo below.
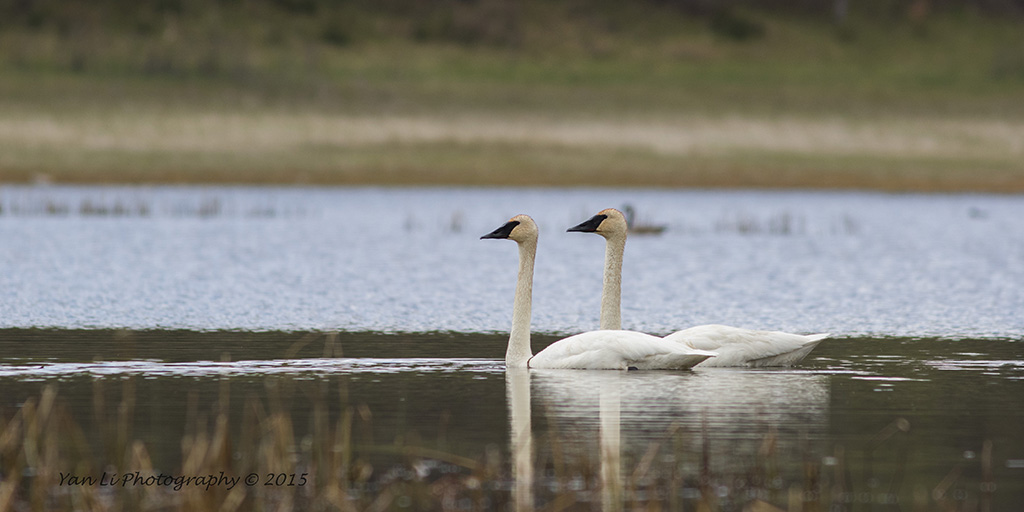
(492, 22)
(106, 64)
(242, 38)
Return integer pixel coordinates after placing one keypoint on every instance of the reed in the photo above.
(46, 456)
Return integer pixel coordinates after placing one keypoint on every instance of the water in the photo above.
(374, 320)
(410, 260)
(878, 422)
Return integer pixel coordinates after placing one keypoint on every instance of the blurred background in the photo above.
(921, 95)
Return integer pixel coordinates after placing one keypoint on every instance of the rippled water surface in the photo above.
(370, 324)
(410, 260)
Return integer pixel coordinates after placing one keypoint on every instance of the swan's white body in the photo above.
(595, 350)
(617, 350)
(746, 347)
(735, 346)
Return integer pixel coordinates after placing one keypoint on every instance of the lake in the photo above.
(356, 336)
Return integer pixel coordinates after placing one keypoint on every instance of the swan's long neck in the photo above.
(519, 352)
(611, 293)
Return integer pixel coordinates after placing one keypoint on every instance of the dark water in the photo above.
(863, 424)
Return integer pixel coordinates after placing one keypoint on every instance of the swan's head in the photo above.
(519, 228)
(608, 222)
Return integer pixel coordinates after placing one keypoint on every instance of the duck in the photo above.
(638, 228)
(606, 349)
(735, 346)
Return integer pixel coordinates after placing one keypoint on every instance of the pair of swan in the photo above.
(613, 348)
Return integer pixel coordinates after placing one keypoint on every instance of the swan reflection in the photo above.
(517, 389)
(633, 437)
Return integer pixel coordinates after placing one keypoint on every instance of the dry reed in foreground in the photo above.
(49, 462)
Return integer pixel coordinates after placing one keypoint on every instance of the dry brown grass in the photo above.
(46, 457)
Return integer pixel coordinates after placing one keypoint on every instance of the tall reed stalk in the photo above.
(338, 463)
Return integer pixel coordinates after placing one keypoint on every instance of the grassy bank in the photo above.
(660, 99)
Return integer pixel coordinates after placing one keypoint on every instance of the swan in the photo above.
(596, 350)
(735, 346)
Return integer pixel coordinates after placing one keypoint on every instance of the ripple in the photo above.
(312, 367)
(409, 260)
(887, 379)
(976, 364)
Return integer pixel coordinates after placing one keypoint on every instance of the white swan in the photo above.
(605, 349)
(735, 346)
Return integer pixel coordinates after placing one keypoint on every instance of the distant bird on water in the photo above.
(638, 228)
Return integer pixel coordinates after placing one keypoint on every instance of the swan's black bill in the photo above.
(503, 231)
(590, 225)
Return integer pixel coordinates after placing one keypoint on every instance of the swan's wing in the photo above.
(618, 350)
(747, 347)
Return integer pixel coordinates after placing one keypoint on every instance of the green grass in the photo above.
(931, 106)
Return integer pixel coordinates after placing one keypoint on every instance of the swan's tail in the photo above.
(815, 338)
(699, 352)
(693, 357)
(792, 357)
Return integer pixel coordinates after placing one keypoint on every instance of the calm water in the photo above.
(147, 308)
